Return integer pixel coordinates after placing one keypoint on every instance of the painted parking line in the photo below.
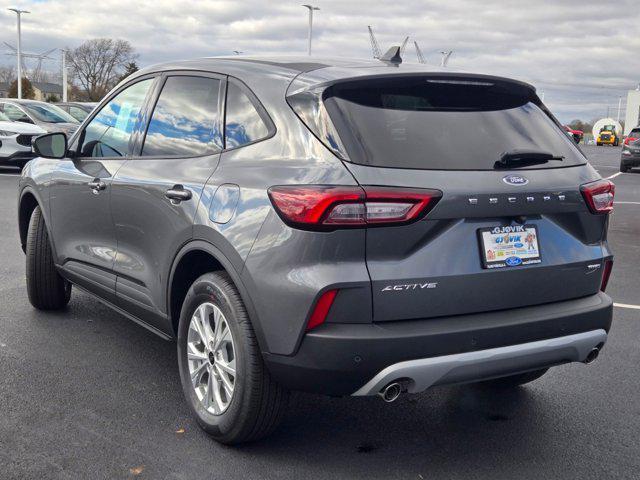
(616, 202)
(614, 175)
(626, 305)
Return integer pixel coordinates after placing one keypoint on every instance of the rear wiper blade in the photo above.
(524, 158)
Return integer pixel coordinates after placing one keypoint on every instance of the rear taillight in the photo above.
(599, 195)
(628, 140)
(329, 207)
(608, 265)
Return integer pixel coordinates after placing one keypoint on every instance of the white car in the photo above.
(15, 141)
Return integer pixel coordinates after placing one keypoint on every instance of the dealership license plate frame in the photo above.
(502, 262)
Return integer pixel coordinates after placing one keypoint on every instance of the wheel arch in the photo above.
(26, 205)
(205, 257)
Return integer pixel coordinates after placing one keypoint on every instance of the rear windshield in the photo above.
(635, 133)
(421, 123)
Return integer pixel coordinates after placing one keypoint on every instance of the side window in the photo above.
(108, 133)
(77, 113)
(243, 122)
(15, 114)
(185, 121)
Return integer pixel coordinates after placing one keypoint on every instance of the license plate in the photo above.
(509, 246)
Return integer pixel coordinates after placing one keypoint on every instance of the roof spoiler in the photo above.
(392, 56)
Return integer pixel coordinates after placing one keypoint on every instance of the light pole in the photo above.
(311, 9)
(19, 12)
(64, 74)
(619, 107)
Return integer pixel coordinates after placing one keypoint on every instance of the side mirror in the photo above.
(51, 145)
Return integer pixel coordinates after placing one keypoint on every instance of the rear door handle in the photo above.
(177, 194)
(97, 185)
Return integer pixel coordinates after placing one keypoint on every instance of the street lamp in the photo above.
(19, 12)
(64, 74)
(311, 9)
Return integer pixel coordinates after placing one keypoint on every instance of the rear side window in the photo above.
(243, 123)
(185, 120)
(438, 123)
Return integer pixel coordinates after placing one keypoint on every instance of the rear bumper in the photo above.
(630, 160)
(344, 359)
(494, 362)
(16, 158)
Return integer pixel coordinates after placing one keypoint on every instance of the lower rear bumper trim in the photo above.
(483, 364)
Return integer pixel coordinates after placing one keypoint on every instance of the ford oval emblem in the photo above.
(513, 261)
(515, 180)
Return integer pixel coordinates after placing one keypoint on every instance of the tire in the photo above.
(515, 380)
(598, 144)
(257, 403)
(47, 290)
(624, 168)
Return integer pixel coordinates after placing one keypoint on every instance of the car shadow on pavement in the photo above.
(346, 437)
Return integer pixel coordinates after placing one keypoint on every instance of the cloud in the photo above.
(583, 55)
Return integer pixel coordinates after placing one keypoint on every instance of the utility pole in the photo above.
(311, 9)
(619, 107)
(19, 13)
(419, 53)
(64, 75)
(445, 58)
(375, 48)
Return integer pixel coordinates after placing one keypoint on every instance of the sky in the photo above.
(581, 55)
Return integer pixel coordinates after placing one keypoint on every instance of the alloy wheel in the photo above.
(211, 357)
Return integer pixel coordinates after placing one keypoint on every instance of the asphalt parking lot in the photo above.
(88, 394)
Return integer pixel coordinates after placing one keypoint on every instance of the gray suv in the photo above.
(331, 226)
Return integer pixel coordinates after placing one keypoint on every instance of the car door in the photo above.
(156, 193)
(80, 191)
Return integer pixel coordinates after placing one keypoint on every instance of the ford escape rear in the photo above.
(321, 226)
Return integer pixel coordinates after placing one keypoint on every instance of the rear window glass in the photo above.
(185, 120)
(442, 124)
(243, 123)
(635, 133)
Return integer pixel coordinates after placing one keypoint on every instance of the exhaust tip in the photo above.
(592, 355)
(391, 392)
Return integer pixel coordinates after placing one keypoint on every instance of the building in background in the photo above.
(4, 90)
(44, 90)
(632, 119)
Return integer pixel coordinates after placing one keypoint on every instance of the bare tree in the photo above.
(7, 74)
(98, 64)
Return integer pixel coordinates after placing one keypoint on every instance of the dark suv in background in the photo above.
(316, 225)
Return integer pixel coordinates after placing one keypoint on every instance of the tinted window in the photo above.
(108, 133)
(243, 122)
(418, 123)
(78, 113)
(185, 120)
(15, 114)
(49, 113)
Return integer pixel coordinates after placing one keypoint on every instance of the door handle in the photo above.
(97, 185)
(177, 194)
